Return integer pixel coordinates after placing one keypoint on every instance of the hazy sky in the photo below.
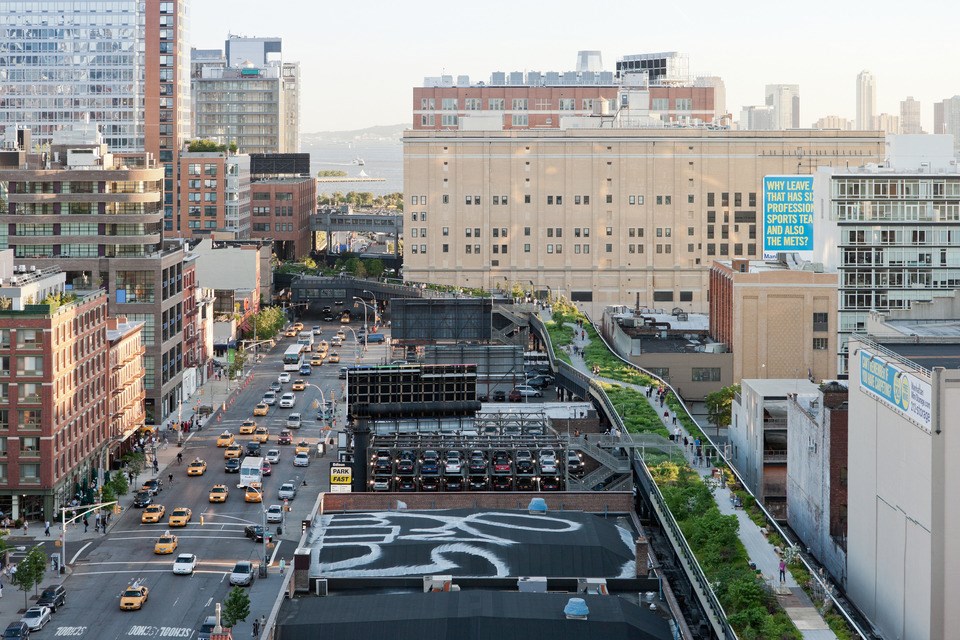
(360, 59)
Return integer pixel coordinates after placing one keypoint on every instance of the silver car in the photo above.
(275, 514)
(242, 574)
(36, 617)
(288, 491)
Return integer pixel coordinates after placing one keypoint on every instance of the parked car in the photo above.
(540, 381)
(499, 396)
(16, 631)
(454, 463)
(574, 462)
(526, 391)
(242, 574)
(406, 464)
(209, 623)
(382, 483)
(53, 596)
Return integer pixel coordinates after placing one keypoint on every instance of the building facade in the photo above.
(910, 116)
(284, 197)
(892, 233)
(785, 100)
(98, 217)
(601, 216)
(53, 381)
(833, 122)
(817, 502)
(125, 388)
(903, 515)
(779, 322)
(758, 445)
(946, 119)
(214, 194)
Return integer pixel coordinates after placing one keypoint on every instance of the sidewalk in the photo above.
(791, 596)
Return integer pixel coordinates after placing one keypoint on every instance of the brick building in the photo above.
(284, 196)
(53, 391)
(214, 194)
(124, 383)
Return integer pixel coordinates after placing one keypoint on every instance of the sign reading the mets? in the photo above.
(341, 474)
(787, 213)
(903, 392)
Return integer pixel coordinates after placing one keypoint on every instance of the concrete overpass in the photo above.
(312, 293)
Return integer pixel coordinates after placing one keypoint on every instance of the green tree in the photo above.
(236, 607)
(107, 494)
(135, 462)
(309, 262)
(719, 404)
(31, 571)
(233, 147)
(375, 267)
(119, 484)
(205, 146)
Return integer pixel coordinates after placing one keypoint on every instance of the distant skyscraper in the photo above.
(887, 123)
(757, 118)
(785, 100)
(946, 119)
(719, 93)
(866, 100)
(910, 116)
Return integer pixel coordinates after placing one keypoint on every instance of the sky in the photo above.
(360, 60)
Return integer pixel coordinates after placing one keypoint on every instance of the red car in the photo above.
(266, 469)
(285, 437)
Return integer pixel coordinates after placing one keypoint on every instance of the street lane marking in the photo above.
(115, 571)
(160, 632)
(276, 548)
(209, 602)
(70, 631)
(79, 551)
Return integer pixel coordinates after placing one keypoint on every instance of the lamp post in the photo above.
(376, 308)
(64, 522)
(263, 520)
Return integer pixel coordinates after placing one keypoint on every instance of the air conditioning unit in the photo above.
(320, 587)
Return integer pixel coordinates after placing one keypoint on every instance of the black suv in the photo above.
(142, 499)
(53, 596)
(254, 531)
(253, 448)
(16, 631)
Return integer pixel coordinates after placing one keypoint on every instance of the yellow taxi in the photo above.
(261, 435)
(180, 517)
(233, 451)
(341, 334)
(303, 447)
(167, 543)
(225, 439)
(248, 427)
(317, 361)
(196, 468)
(298, 326)
(291, 333)
(219, 493)
(133, 597)
(261, 409)
(334, 357)
(152, 514)
(252, 495)
(299, 384)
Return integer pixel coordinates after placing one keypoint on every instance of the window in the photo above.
(29, 472)
(29, 392)
(752, 199)
(468, 232)
(663, 296)
(519, 104)
(738, 199)
(526, 231)
(820, 344)
(427, 104)
(689, 198)
(549, 248)
(449, 104)
(632, 200)
(566, 104)
(549, 199)
(659, 199)
(686, 296)
(445, 199)
(446, 248)
(526, 199)
(28, 338)
(609, 198)
(705, 374)
(660, 104)
(473, 104)
(446, 231)
(666, 199)
(30, 365)
(468, 199)
(495, 104)
(519, 120)
(820, 322)
(29, 419)
(526, 248)
(609, 248)
(449, 120)
(468, 248)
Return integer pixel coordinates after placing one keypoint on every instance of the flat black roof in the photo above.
(927, 355)
(465, 615)
(474, 543)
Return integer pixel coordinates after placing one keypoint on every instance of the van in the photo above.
(375, 338)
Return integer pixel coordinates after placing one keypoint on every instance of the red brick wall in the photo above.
(588, 501)
(837, 420)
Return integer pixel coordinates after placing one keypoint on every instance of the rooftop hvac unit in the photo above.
(438, 583)
(532, 585)
(321, 587)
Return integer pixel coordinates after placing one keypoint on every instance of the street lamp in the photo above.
(376, 308)
(64, 522)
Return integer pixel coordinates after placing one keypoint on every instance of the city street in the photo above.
(102, 566)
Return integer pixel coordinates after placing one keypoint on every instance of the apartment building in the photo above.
(124, 383)
(890, 231)
(284, 197)
(98, 216)
(214, 193)
(600, 215)
(53, 390)
(778, 319)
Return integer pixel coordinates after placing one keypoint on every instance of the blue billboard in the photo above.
(901, 390)
(787, 213)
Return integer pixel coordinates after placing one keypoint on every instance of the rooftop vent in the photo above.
(576, 609)
(537, 505)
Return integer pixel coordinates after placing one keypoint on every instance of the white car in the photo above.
(242, 574)
(184, 564)
(526, 391)
(284, 378)
(337, 341)
(287, 400)
(288, 491)
(302, 460)
(294, 421)
(275, 514)
(273, 456)
(454, 463)
(36, 617)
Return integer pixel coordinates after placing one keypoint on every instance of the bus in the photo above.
(306, 340)
(293, 357)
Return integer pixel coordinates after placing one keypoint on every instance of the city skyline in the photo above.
(364, 46)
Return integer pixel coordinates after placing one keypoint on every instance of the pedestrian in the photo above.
(283, 565)
(686, 442)
(46, 528)
(263, 623)
(170, 477)
(256, 627)
(783, 571)
(86, 525)
(1, 589)
(24, 527)
(96, 523)
(674, 419)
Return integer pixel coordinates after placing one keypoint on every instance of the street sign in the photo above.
(340, 474)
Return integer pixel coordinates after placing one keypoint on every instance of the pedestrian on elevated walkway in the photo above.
(783, 571)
